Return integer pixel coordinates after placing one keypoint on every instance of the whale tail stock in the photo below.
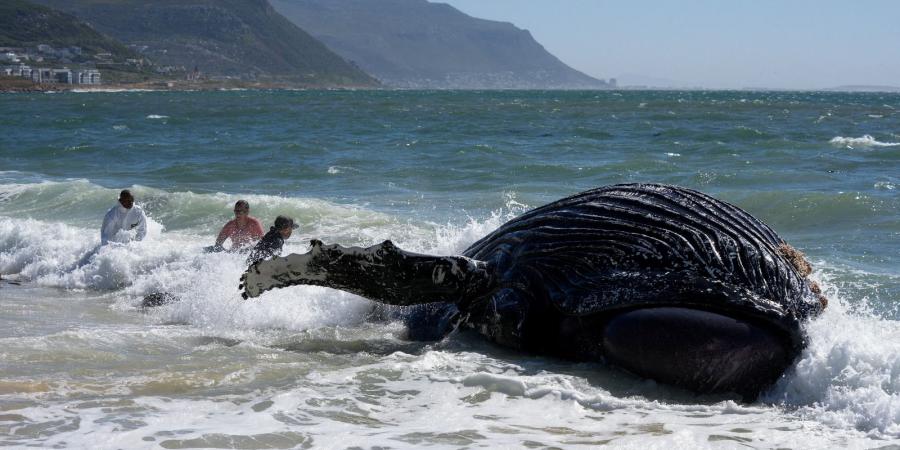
(382, 272)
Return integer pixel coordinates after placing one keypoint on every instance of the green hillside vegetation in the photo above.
(25, 24)
(244, 39)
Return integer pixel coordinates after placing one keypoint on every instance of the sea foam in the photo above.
(864, 141)
(847, 381)
(848, 376)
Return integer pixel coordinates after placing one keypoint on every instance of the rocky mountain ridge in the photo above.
(222, 39)
(418, 44)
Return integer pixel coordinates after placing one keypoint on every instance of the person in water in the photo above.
(243, 230)
(273, 241)
(124, 222)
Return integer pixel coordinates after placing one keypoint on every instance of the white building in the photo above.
(55, 76)
(20, 70)
(47, 75)
(87, 76)
(62, 76)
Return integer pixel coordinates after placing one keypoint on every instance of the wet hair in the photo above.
(125, 193)
(282, 222)
(242, 204)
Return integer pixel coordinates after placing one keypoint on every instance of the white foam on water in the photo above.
(210, 300)
(844, 390)
(156, 116)
(479, 400)
(208, 284)
(864, 141)
(70, 257)
(108, 90)
(848, 377)
(59, 255)
(334, 170)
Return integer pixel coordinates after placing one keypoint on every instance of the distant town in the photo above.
(47, 65)
(18, 63)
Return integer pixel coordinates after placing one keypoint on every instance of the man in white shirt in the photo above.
(124, 222)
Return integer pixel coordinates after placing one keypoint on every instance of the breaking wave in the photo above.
(848, 378)
(864, 141)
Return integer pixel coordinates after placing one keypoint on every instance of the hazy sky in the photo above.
(717, 44)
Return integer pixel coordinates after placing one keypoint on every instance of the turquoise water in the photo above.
(433, 171)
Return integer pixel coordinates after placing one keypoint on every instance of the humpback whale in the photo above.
(664, 282)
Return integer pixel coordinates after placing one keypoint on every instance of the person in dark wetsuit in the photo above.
(270, 245)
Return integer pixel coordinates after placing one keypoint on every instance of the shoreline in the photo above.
(21, 85)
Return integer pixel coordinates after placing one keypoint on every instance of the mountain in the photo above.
(244, 39)
(24, 24)
(417, 44)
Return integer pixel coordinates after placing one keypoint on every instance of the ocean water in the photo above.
(82, 366)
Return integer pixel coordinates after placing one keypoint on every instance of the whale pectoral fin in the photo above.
(382, 272)
(279, 272)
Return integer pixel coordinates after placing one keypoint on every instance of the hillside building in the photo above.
(87, 76)
(53, 76)
(20, 70)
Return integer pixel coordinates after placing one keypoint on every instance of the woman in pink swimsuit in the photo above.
(243, 230)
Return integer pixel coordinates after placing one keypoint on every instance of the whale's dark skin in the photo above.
(663, 281)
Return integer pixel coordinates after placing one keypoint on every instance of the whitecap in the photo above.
(846, 377)
(864, 141)
(334, 170)
(157, 116)
(108, 90)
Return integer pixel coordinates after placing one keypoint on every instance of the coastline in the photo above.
(20, 85)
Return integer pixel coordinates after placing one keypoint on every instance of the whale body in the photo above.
(665, 282)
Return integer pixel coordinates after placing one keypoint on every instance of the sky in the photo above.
(724, 44)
